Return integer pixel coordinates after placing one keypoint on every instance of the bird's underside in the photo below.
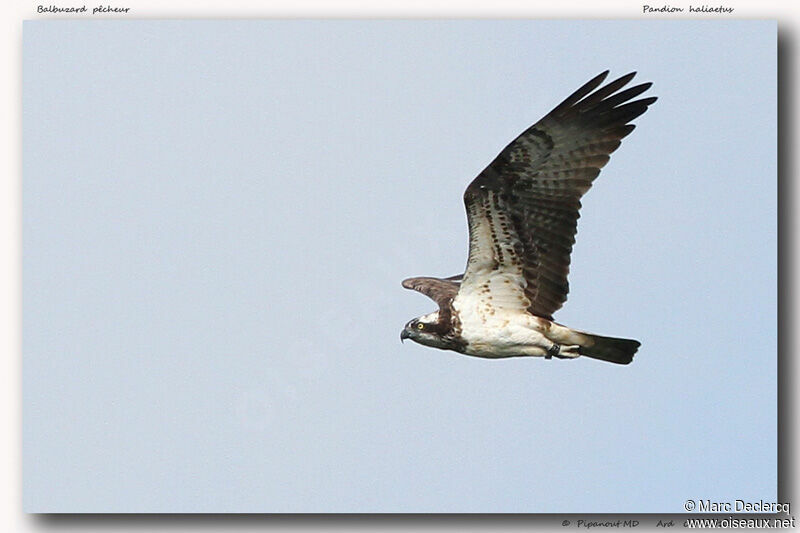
(522, 212)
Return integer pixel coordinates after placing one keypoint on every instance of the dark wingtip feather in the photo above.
(605, 105)
(645, 102)
(584, 89)
(626, 130)
(598, 96)
(623, 96)
(623, 80)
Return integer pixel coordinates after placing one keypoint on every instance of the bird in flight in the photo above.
(522, 212)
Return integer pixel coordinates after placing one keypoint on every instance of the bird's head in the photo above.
(427, 330)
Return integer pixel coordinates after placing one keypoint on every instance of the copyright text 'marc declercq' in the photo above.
(741, 506)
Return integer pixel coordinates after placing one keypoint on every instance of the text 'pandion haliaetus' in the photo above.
(522, 212)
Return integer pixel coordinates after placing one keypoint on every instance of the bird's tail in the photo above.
(609, 349)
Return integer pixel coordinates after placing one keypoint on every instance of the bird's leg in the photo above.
(570, 351)
(555, 349)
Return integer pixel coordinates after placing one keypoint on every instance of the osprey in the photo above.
(522, 212)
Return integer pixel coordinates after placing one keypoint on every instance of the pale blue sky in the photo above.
(217, 216)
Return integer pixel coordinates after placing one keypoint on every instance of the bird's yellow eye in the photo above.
(420, 326)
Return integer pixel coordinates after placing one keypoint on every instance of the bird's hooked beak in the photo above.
(404, 334)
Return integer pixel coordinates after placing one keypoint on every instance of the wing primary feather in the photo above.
(601, 93)
(585, 89)
(629, 111)
(625, 95)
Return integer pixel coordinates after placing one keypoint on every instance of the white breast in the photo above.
(492, 331)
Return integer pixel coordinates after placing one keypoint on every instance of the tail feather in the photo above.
(609, 349)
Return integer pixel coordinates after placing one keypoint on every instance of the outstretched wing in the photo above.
(523, 208)
(441, 291)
